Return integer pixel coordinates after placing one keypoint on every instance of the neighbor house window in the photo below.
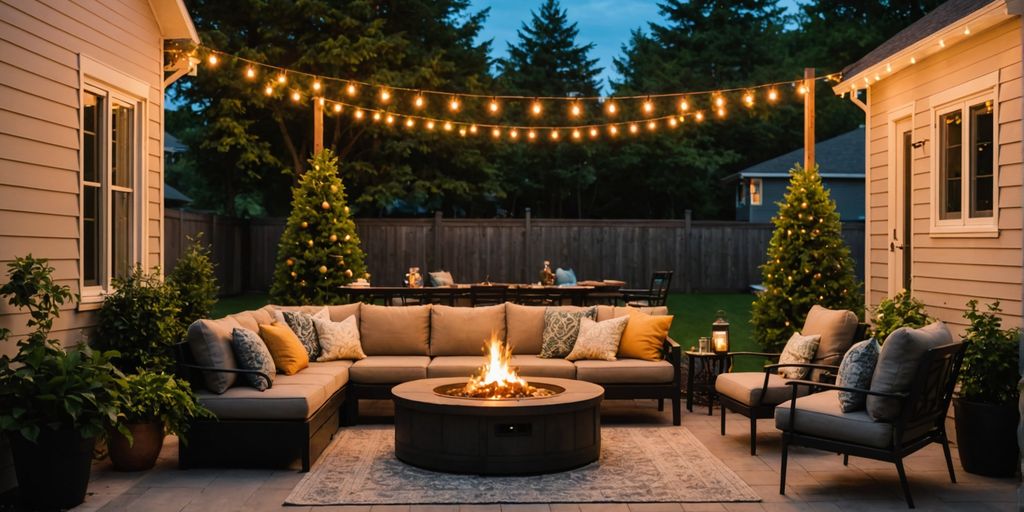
(741, 193)
(966, 154)
(755, 191)
(111, 136)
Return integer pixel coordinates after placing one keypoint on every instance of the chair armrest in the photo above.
(674, 355)
(270, 382)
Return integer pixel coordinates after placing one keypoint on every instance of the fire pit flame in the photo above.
(496, 379)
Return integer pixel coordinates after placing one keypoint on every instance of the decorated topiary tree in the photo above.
(319, 249)
(808, 263)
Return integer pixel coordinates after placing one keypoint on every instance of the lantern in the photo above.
(720, 333)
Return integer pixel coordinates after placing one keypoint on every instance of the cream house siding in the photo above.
(40, 47)
(948, 271)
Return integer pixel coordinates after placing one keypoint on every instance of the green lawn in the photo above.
(693, 316)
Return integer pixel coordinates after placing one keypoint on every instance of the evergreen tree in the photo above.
(195, 281)
(808, 263)
(319, 249)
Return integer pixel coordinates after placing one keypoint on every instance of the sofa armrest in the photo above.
(270, 382)
(674, 355)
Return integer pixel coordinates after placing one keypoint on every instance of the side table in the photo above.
(712, 365)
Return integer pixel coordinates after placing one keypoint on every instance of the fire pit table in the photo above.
(557, 430)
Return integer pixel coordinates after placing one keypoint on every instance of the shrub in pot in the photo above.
(986, 407)
(195, 282)
(139, 320)
(54, 401)
(153, 404)
(900, 310)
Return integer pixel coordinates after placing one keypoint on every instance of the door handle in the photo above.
(895, 243)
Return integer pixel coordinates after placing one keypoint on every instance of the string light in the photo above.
(493, 106)
(531, 134)
(684, 105)
(430, 125)
(719, 101)
(593, 133)
(802, 89)
(320, 101)
(389, 119)
(296, 96)
(967, 31)
(268, 90)
(316, 85)
(359, 114)
(250, 73)
(462, 132)
(773, 95)
(282, 79)
(473, 129)
(614, 130)
(453, 105)
(672, 123)
(337, 107)
(612, 108)
(536, 108)
(575, 110)
(385, 96)
(212, 60)
(418, 101)
(351, 89)
(554, 134)
(576, 134)
(514, 133)
(410, 123)
(648, 106)
(495, 132)
(447, 126)
(721, 112)
(748, 99)
(376, 116)
(633, 128)
(699, 117)
(651, 125)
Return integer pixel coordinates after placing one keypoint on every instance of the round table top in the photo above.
(422, 391)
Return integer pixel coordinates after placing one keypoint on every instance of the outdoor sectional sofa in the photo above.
(297, 416)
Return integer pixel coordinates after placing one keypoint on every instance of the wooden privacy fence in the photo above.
(705, 255)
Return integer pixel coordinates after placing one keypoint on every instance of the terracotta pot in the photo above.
(53, 472)
(986, 437)
(140, 455)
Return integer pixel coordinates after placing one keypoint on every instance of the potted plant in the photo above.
(54, 401)
(900, 310)
(986, 407)
(153, 404)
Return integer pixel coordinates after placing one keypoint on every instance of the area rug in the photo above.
(637, 465)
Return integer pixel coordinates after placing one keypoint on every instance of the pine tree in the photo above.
(319, 249)
(808, 263)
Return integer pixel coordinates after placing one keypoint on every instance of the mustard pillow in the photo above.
(644, 336)
(285, 348)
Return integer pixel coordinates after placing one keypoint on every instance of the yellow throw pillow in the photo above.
(644, 336)
(286, 349)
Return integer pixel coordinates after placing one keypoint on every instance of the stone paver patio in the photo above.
(817, 480)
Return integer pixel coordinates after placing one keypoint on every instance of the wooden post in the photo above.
(527, 221)
(318, 125)
(808, 118)
(438, 259)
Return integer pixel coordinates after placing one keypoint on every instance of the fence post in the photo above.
(527, 225)
(438, 255)
(687, 230)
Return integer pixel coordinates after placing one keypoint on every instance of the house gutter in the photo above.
(855, 99)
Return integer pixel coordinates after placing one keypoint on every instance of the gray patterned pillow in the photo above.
(561, 329)
(598, 340)
(855, 372)
(252, 354)
(302, 324)
(799, 349)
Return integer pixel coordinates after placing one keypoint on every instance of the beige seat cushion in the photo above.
(836, 328)
(526, 365)
(897, 365)
(625, 371)
(456, 331)
(453, 366)
(284, 401)
(339, 313)
(389, 369)
(819, 415)
(745, 388)
(252, 319)
(338, 370)
(525, 327)
(394, 331)
(607, 312)
(210, 342)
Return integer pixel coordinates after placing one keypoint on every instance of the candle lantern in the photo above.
(413, 279)
(720, 333)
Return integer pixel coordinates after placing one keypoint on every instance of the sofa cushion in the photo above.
(561, 328)
(625, 371)
(836, 328)
(289, 354)
(389, 369)
(644, 335)
(820, 415)
(338, 370)
(252, 354)
(525, 327)
(394, 331)
(897, 365)
(745, 388)
(457, 331)
(302, 325)
(340, 313)
(250, 319)
(606, 312)
(338, 340)
(598, 340)
(285, 401)
(210, 342)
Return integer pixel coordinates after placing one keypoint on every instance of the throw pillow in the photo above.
(644, 335)
(252, 354)
(897, 365)
(799, 349)
(598, 340)
(287, 351)
(338, 340)
(855, 372)
(302, 325)
(565, 277)
(560, 331)
(442, 278)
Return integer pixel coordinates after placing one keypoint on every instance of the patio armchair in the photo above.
(917, 412)
(656, 295)
(755, 394)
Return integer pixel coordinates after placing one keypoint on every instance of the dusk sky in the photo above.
(606, 23)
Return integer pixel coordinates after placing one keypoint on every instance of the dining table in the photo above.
(583, 293)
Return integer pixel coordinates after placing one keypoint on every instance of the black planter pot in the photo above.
(986, 437)
(53, 473)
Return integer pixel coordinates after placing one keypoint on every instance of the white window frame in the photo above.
(760, 191)
(961, 98)
(116, 87)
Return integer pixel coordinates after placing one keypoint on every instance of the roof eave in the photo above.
(174, 21)
(953, 33)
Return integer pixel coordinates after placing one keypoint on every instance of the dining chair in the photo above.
(488, 294)
(656, 295)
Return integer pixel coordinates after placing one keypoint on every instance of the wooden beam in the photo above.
(808, 118)
(318, 125)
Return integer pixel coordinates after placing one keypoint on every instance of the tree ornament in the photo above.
(348, 237)
(334, 238)
(323, 269)
(346, 210)
(290, 262)
(325, 205)
(803, 205)
(294, 275)
(309, 243)
(304, 224)
(334, 189)
(348, 272)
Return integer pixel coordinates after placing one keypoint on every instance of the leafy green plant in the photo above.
(195, 282)
(989, 372)
(150, 395)
(45, 385)
(140, 320)
(902, 310)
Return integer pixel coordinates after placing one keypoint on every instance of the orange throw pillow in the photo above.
(644, 336)
(285, 348)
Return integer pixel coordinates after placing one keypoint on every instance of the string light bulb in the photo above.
(773, 95)
(316, 85)
(495, 133)
(296, 96)
(576, 134)
(282, 79)
(913, 60)
(430, 125)
(721, 112)
(337, 107)
(514, 133)
(250, 73)
(614, 130)
(453, 105)
(418, 102)
(351, 89)
(376, 116)
(212, 60)
(748, 99)
(389, 119)
(651, 125)
(447, 126)
(462, 132)
(320, 101)
(672, 123)
(699, 117)
(684, 105)
(575, 109)
(967, 31)
(802, 89)
(472, 129)
(719, 101)
(493, 106)
(612, 108)
(554, 134)
(359, 114)
(410, 123)
(531, 134)
(633, 128)
(536, 108)
(385, 96)
(268, 90)
(593, 133)
(648, 106)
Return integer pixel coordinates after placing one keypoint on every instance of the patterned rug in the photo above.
(637, 465)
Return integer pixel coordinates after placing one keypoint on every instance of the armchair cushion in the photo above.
(855, 372)
(820, 415)
(836, 328)
(799, 349)
(746, 388)
(897, 365)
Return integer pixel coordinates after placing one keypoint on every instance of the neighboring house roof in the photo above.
(174, 198)
(841, 156)
(174, 20)
(173, 144)
(941, 28)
